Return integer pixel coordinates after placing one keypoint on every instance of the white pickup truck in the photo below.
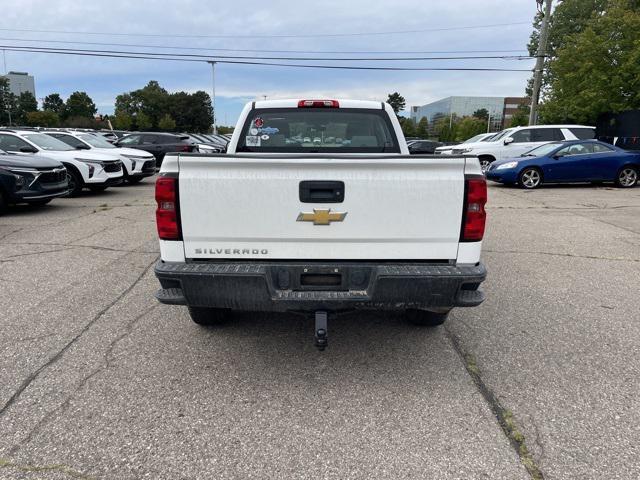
(317, 206)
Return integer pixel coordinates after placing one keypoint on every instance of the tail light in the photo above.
(318, 104)
(167, 215)
(186, 148)
(474, 215)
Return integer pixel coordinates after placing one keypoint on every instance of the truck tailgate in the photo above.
(392, 207)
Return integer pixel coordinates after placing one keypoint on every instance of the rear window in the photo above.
(318, 130)
(584, 133)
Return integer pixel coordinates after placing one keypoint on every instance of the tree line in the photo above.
(592, 64)
(149, 108)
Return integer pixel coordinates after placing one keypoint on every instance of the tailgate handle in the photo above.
(321, 191)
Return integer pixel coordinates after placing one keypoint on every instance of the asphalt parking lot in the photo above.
(100, 381)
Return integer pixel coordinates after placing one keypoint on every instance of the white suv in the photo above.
(137, 163)
(513, 142)
(95, 171)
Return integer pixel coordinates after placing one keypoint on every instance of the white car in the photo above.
(95, 171)
(447, 149)
(513, 142)
(138, 164)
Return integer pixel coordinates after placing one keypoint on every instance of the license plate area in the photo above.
(320, 278)
(332, 278)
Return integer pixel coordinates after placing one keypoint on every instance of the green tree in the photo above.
(122, 121)
(167, 123)
(8, 103)
(597, 70)
(191, 112)
(521, 117)
(408, 127)
(143, 122)
(26, 103)
(396, 101)
(446, 129)
(482, 114)
(79, 104)
(422, 130)
(45, 118)
(469, 127)
(569, 17)
(53, 103)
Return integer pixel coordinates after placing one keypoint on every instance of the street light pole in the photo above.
(213, 94)
(540, 57)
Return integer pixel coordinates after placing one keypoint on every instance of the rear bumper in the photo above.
(282, 286)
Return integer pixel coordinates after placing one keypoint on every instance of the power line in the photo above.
(146, 56)
(308, 52)
(316, 35)
(242, 57)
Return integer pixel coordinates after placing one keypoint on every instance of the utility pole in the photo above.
(213, 94)
(540, 57)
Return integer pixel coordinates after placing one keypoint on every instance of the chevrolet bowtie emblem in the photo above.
(322, 216)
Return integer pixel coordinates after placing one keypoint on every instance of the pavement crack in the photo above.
(33, 376)
(34, 253)
(73, 245)
(56, 467)
(556, 254)
(105, 365)
(504, 416)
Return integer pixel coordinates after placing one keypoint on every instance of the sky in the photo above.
(330, 25)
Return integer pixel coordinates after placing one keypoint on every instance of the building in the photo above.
(500, 109)
(20, 82)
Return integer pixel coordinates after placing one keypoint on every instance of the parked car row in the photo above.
(37, 166)
(535, 155)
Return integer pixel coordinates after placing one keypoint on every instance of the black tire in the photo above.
(627, 177)
(3, 204)
(208, 316)
(39, 203)
(485, 161)
(98, 188)
(75, 183)
(530, 178)
(134, 180)
(426, 318)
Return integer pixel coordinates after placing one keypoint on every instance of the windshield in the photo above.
(542, 150)
(318, 130)
(477, 138)
(46, 142)
(489, 138)
(501, 134)
(95, 141)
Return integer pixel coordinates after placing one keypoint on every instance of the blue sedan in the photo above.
(568, 162)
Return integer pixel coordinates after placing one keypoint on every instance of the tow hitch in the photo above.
(321, 331)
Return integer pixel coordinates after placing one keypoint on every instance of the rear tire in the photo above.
(134, 180)
(530, 178)
(627, 177)
(3, 204)
(208, 316)
(425, 318)
(98, 188)
(75, 183)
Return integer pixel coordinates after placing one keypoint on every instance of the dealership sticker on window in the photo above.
(265, 137)
(252, 141)
(253, 131)
(258, 122)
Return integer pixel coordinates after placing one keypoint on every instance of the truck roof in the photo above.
(293, 103)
